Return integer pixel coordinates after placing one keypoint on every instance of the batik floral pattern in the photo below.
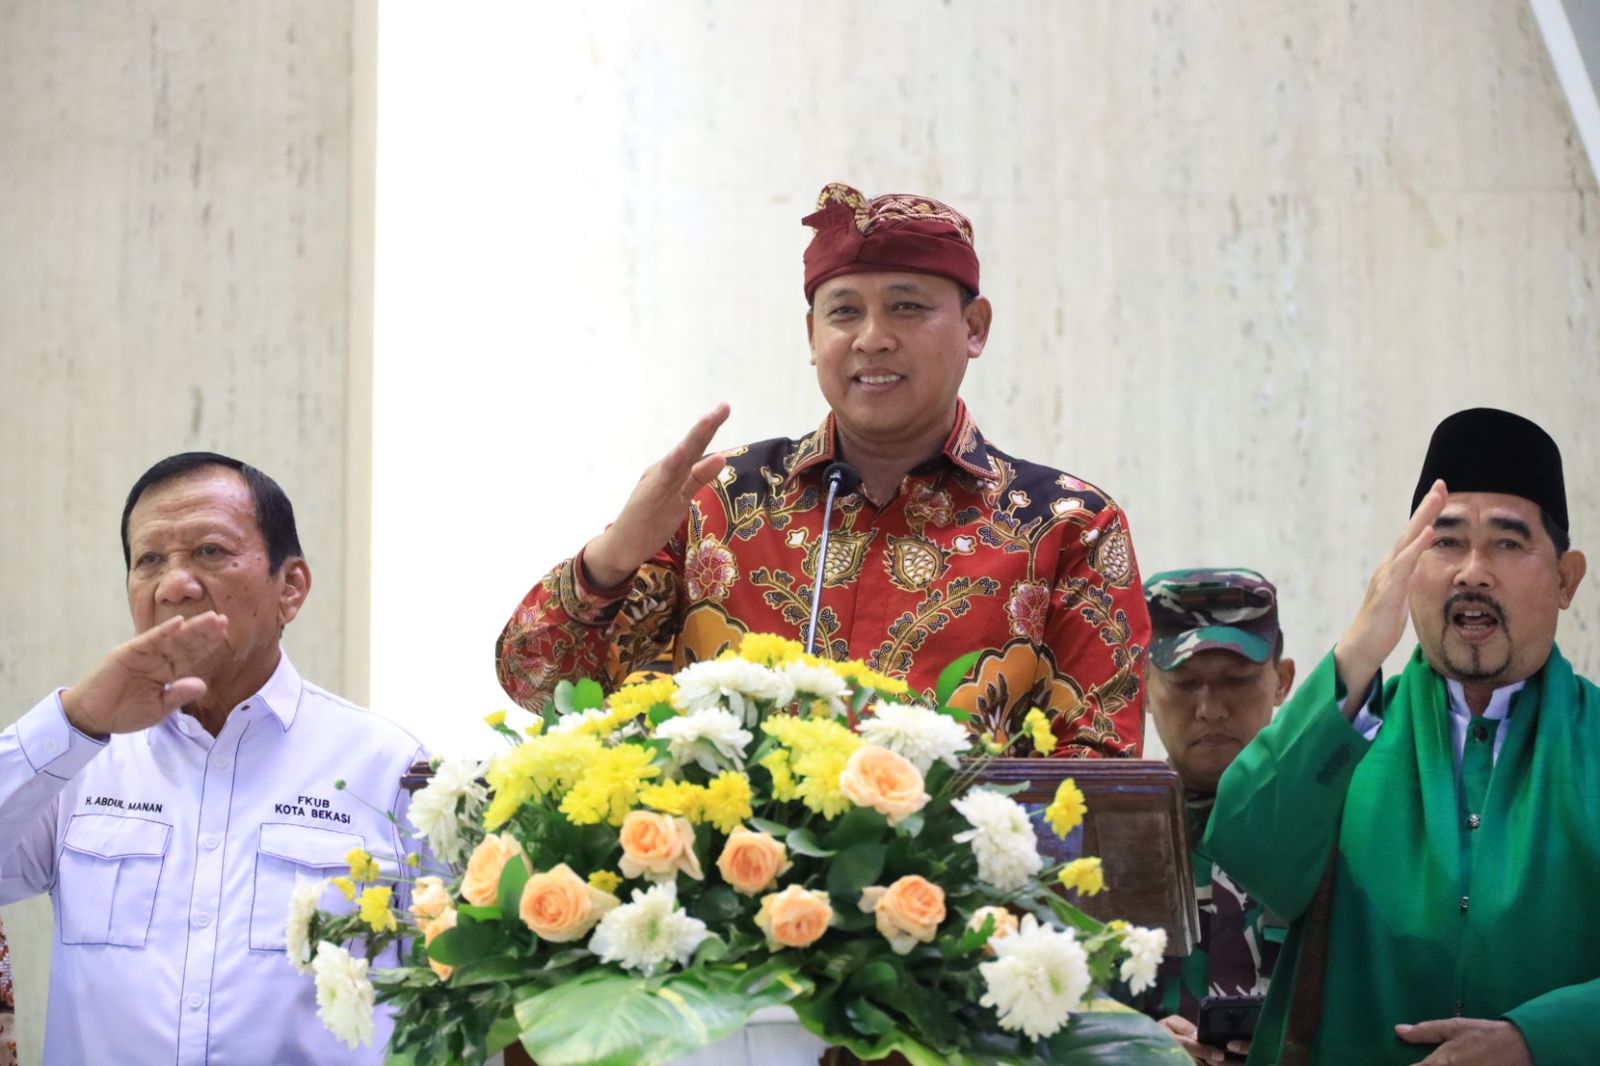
(979, 551)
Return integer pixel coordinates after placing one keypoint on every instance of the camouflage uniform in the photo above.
(1192, 611)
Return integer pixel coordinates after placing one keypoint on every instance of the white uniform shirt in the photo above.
(1367, 724)
(170, 857)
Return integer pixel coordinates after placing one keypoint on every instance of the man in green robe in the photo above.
(1435, 838)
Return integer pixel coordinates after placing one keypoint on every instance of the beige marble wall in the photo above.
(175, 256)
(1244, 254)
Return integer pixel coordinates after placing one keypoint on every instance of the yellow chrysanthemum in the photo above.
(609, 786)
(605, 880)
(769, 649)
(727, 801)
(1038, 727)
(860, 676)
(1083, 875)
(535, 729)
(413, 859)
(677, 798)
(495, 720)
(631, 701)
(784, 786)
(1065, 812)
(818, 750)
(346, 887)
(375, 909)
(990, 744)
(363, 867)
(545, 765)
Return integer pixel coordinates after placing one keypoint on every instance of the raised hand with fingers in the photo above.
(140, 682)
(1381, 619)
(657, 506)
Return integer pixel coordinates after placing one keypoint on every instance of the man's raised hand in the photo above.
(140, 682)
(657, 507)
(1381, 620)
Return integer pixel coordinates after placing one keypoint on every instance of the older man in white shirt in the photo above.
(169, 801)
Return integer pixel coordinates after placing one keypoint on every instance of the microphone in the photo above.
(840, 476)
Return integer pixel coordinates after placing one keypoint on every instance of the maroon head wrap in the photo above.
(896, 231)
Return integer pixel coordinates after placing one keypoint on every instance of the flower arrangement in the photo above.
(642, 872)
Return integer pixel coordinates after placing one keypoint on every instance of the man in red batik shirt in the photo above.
(948, 545)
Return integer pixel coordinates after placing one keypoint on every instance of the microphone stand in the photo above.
(835, 475)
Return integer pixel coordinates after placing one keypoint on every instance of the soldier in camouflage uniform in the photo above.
(1217, 674)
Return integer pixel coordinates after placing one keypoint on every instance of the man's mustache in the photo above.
(1477, 598)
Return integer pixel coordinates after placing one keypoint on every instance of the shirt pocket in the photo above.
(288, 853)
(107, 877)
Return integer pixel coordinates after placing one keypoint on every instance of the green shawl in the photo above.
(1429, 919)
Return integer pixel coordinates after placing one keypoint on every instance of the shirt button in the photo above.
(51, 746)
(1480, 732)
(1463, 903)
(220, 762)
(195, 1000)
(210, 842)
(1473, 821)
(202, 920)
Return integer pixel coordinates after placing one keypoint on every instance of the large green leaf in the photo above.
(467, 941)
(1110, 1034)
(951, 676)
(853, 869)
(606, 1019)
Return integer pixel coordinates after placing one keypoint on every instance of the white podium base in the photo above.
(774, 1037)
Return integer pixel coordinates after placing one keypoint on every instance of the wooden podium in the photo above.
(1135, 823)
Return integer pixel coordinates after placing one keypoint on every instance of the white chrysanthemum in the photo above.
(302, 905)
(1002, 838)
(818, 682)
(648, 933)
(1145, 948)
(737, 684)
(920, 735)
(1038, 978)
(344, 994)
(438, 810)
(712, 738)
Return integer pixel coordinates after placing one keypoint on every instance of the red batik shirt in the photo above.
(977, 552)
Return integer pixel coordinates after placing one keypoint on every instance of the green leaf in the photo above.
(859, 826)
(565, 691)
(860, 699)
(1111, 1034)
(853, 869)
(951, 676)
(1071, 916)
(661, 712)
(469, 940)
(603, 1018)
(494, 969)
(910, 826)
(587, 695)
(513, 876)
(482, 914)
(804, 842)
(776, 829)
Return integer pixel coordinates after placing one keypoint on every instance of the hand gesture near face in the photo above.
(658, 505)
(140, 682)
(1381, 620)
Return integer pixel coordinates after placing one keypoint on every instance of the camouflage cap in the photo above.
(1196, 610)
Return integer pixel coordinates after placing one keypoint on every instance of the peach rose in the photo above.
(1005, 923)
(445, 919)
(560, 906)
(888, 783)
(481, 885)
(752, 862)
(908, 911)
(657, 846)
(794, 918)
(429, 899)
